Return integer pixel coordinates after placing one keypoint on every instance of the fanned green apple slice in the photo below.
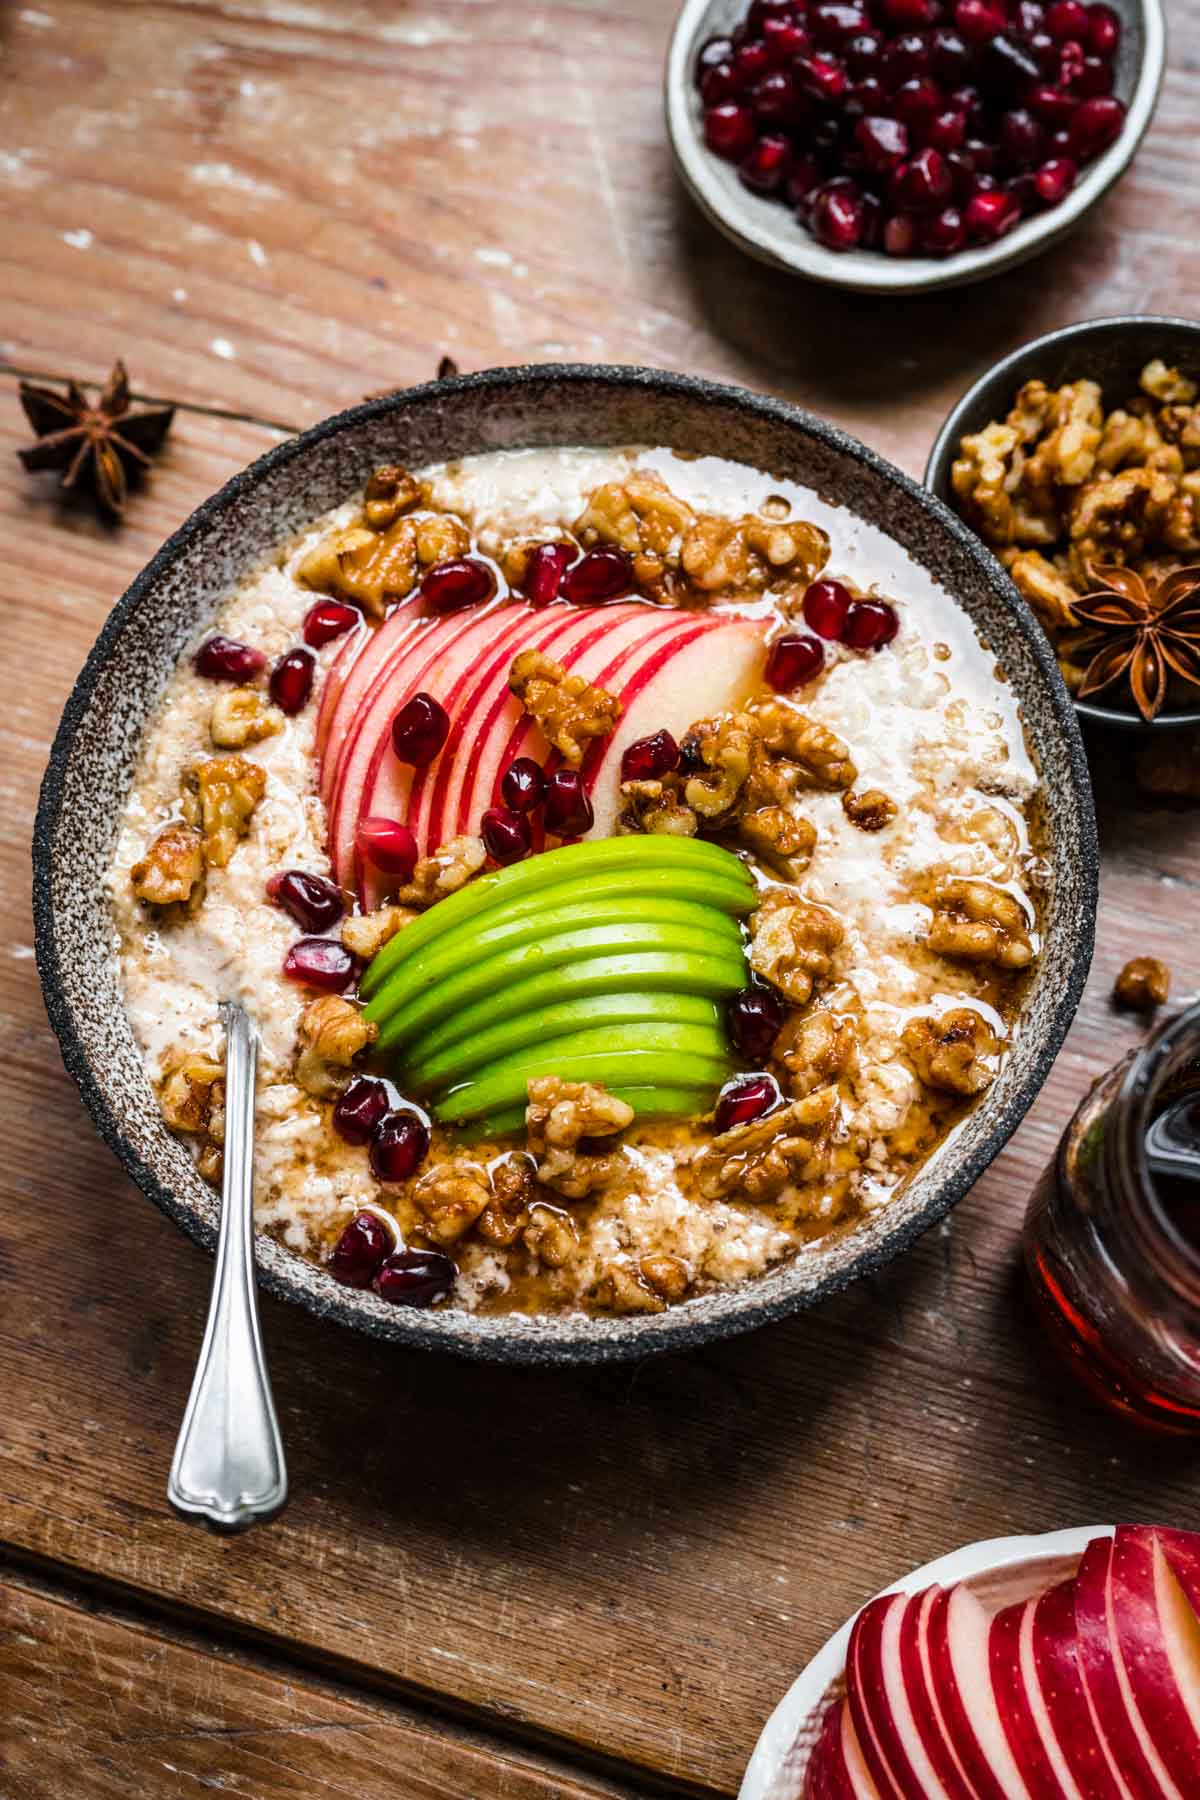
(647, 1103)
(698, 1059)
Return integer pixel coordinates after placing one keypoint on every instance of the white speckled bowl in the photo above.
(776, 1769)
(769, 232)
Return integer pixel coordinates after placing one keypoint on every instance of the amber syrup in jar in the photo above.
(1112, 1237)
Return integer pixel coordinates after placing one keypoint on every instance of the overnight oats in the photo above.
(630, 862)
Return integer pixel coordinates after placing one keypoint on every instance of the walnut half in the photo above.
(1143, 984)
(973, 922)
(569, 710)
(220, 796)
(192, 1099)
(331, 1033)
(760, 1159)
(954, 1051)
(559, 1116)
(171, 873)
(792, 944)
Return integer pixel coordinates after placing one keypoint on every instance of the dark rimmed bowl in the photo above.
(94, 755)
(1112, 352)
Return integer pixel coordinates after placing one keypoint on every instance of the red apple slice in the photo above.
(887, 1700)
(1114, 1714)
(958, 1665)
(334, 680)
(1179, 1610)
(1015, 1706)
(922, 1691)
(1182, 1551)
(1160, 1662)
(382, 646)
(836, 1769)
(1054, 1682)
(854, 1763)
(859, 1688)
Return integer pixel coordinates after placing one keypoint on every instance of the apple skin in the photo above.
(883, 1697)
(922, 1694)
(1051, 1660)
(591, 1057)
(958, 1663)
(574, 863)
(1113, 1714)
(1165, 1691)
(867, 1625)
(337, 673)
(385, 647)
(1014, 1706)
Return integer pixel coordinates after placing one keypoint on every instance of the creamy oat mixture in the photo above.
(894, 932)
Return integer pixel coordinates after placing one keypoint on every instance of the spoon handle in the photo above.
(228, 1470)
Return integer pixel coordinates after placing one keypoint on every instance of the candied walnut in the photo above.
(757, 1161)
(450, 867)
(726, 748)
(367, 567)
(439, 537)
(620, 1288)
(1143, 984)
(507, 1212)
(792, 944)
(550, 1235)
(780, 838)
(669, 1276)
(980, 477)
(1047, 591)
(820, 756)
(954, 1051)
(872, 810)
(220, 795)
(450, 1198)
(1162, 383)
(642, 517)
(1114, 517)
(747, 555)
(365, 934)
(974, 922)
(390, 492)
(192, 1089)
(330, 1034)
(656, 807)
(1072, 419)
(241, 716)
(171, 873)
(1127, 438)
(1169, 768)
(816, 1048)
(560, 1115)
(569, 710)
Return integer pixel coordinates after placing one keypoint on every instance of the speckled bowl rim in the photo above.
(768, 232)
(937, 469)
(569, 1338)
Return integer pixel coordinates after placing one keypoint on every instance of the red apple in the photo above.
(958, 1663)
(836, 1770)
(859, 1688)
(1014, 1705)
(1158, 1647)
(1114, 1713)
(345, 705)
(1050, 1659)
(923, 1695)
(888, 1703)
(334, 680)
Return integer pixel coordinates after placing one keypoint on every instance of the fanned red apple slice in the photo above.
(383, 647)
(334, 679)
(1158, 1643)
(899, 1716)
(836, 1769)
(1114, 1712)
(923, 1695)
(1015, 1705)
(957, 1635)
(859, 1686)
(1054, 1682)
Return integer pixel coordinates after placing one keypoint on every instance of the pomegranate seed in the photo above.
(755, 1018)
(544, 572)
(784, 39)
(947, 130)
(1096, 125)
(1071, 59)
(463, 581)
(906, 58)
(524, 785)
(321, 963)
(865, 99)
(291, 680)
(1022, 139)
(355, 1258)
(864, 53)
(921, 184)
(990, 216)
(792, 660)
(1095, 78)
(872, 221)
(870, 624)
(1055, 179)
(388, 846)
(883, 142)
(909, 15)
(400, 1144)
(419, 730)
(416, 1278)
(1051, 105)
(715, 50)
(1060, 143)
(328, 619)
(833, 25)
(568, 811)
(361, 1108)
(1023, 191)
(224, 659)
(750, 64)
(900, 235)
(950, 56)
(826, 604)
(649, 757)
(941, 234)
(1067, 19)
(822, 76)
(603, 574)
(766, 167)
(983, 156)
(1030, 17)
(775, 100)
(918, 102)
(313, 901)
(1044, 51)
(979, 20)
(1007, 69)
(970, 100)
(836, 218)
(1103, 31)
(719, 84)
(729, 130)
(807, 174)
(744, 1098)
(762, 10)
(505, 835)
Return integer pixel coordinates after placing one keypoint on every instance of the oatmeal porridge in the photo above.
(630, 863)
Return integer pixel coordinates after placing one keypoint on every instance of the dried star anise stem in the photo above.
(1144, 630)
(101, 444)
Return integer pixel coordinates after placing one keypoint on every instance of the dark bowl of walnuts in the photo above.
(1076, 459)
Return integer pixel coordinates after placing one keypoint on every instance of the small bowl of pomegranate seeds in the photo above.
(903, 145)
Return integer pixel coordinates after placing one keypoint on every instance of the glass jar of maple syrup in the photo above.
(1113, 1245)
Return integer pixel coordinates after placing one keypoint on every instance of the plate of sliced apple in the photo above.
(1060, 1667)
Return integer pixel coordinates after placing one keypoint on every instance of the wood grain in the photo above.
(272, 208)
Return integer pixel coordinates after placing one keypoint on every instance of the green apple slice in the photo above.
(576, 863)
(671, 969)
(475, 1040)
(647, 1103)
(402, 1011)
(593, 1056)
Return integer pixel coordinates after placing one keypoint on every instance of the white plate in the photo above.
(776, 1769)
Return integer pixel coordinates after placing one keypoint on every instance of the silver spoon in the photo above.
(228, 1470)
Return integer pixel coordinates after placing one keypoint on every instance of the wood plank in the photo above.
(101, 1707)
(632, 1562)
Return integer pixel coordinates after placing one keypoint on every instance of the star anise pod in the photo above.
(101, 444)
(1144, 630)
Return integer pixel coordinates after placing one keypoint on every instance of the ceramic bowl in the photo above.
(769, 232)
(1112, 352)
(94, 756)
(1026, 1565)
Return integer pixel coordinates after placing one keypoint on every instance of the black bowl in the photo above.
(94, 755)
(1112, 352)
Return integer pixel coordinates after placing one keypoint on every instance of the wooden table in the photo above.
(488, 1583)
